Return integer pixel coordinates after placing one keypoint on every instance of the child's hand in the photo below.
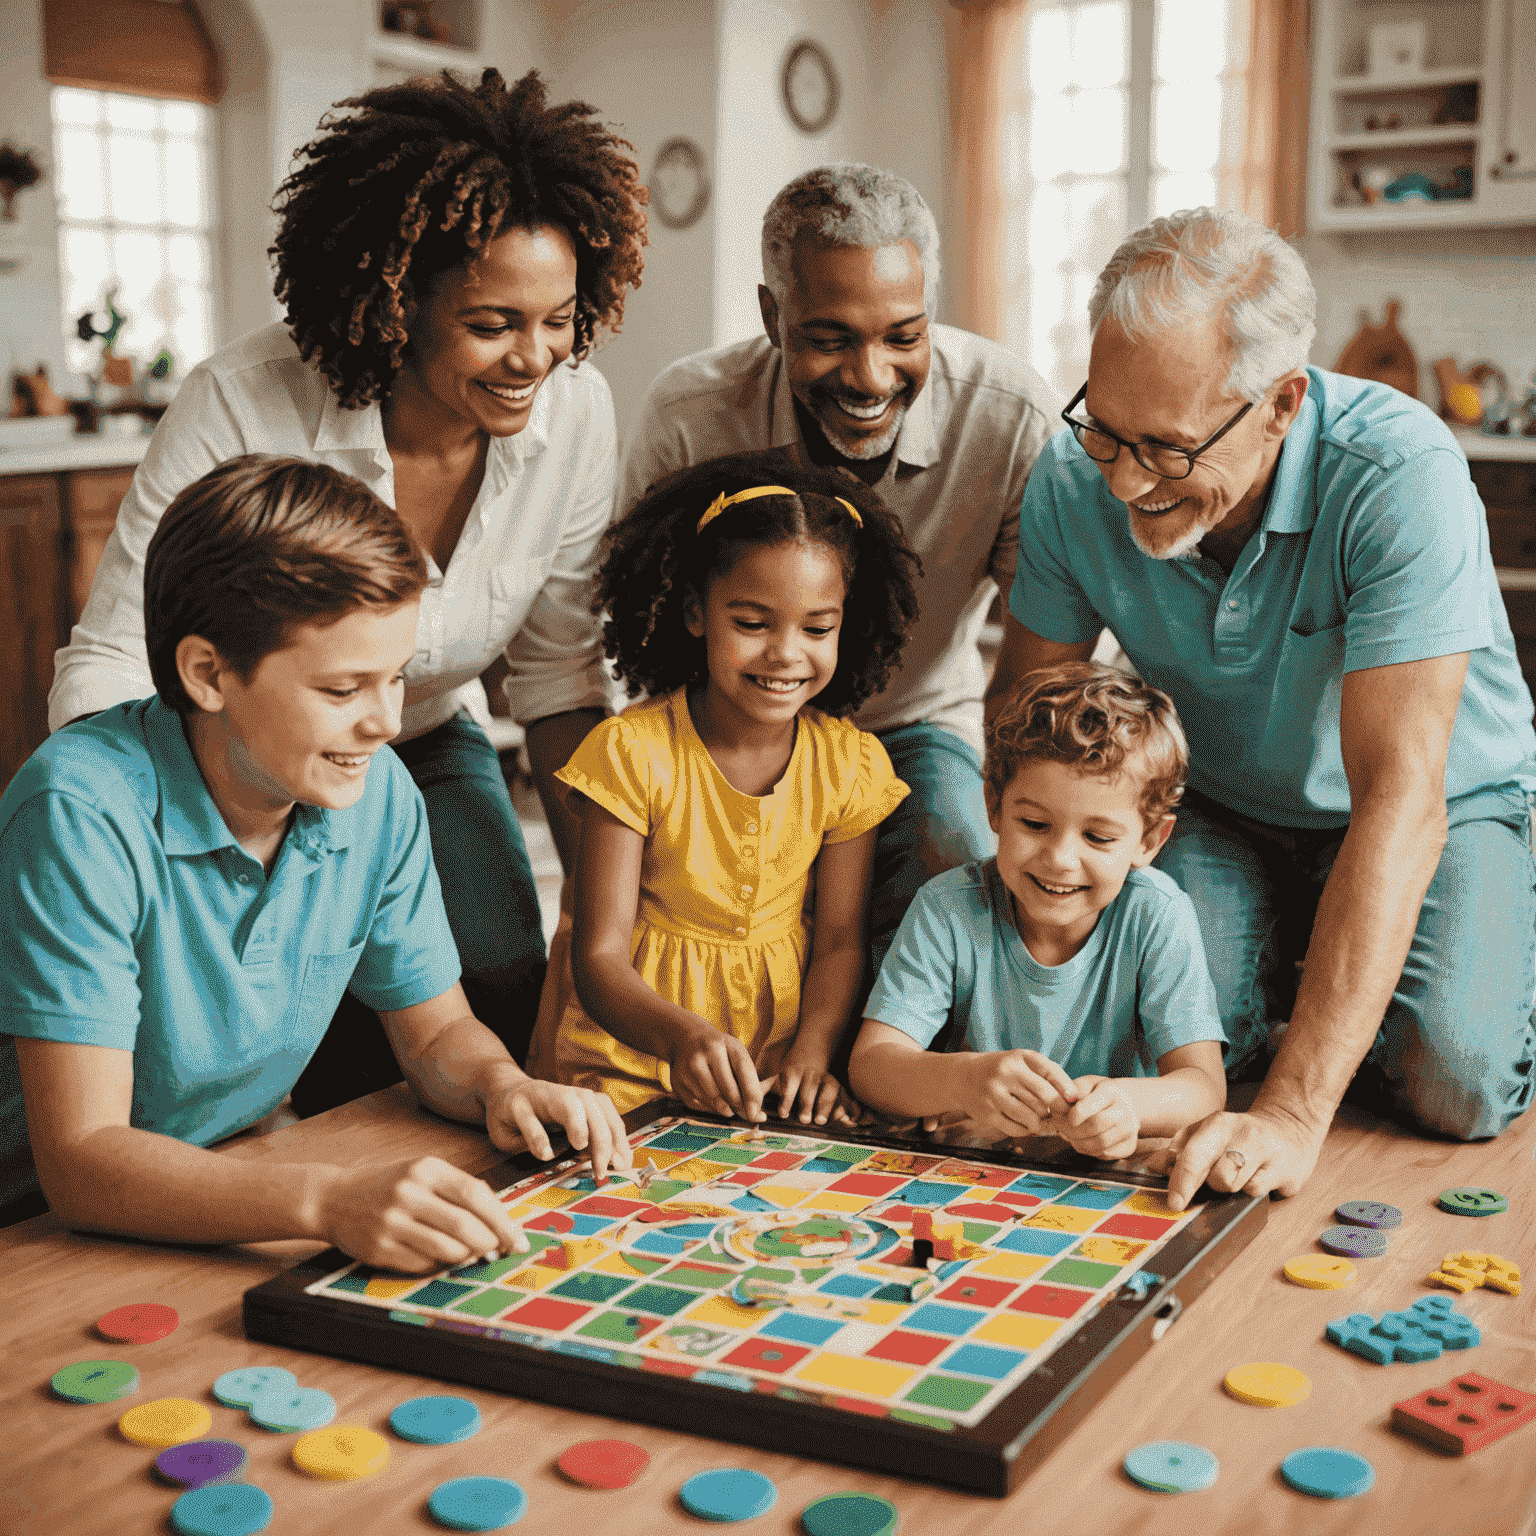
(819, 1094)
(1102, 1123)
(591, 1122)
(1017, 1091)
(713, 1071)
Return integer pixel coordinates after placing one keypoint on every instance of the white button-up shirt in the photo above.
(519, 582)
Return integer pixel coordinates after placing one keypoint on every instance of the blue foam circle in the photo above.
(727, 1494)
(287, 1410)
(1328, 1473)
(223, 1509)
(239, 1389)
(435, 1420)
(849, 1514)
(477, 1503)
(1172, 1466)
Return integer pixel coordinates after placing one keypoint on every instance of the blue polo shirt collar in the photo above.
(1293, 496)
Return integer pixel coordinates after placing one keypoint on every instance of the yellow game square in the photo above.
(699, 1170)
(617, 1264)
(875, 1378)
(883, 1311)
(533, 1278)
(1021, 1332)
(780, 1194)
(554, 1197)
(387, 1290)
(831, 1200)
(525, 1212)
(1108, 1250)
(719, 1308)
(1063, 1218)
(1012, 1266)
(1152, 1203)
(656, 1158)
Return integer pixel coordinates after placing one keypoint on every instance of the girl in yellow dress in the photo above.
(727, 826)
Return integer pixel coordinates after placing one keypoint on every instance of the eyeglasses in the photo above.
(1160, 459)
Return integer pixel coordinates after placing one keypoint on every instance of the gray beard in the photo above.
(1180, 549)
(866, 447)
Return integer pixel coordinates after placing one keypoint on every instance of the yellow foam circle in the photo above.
(166, 1422)
(1320, 1272)
(340, 1452)
(1268, 1385)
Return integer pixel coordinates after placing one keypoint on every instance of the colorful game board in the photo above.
(763, 1287)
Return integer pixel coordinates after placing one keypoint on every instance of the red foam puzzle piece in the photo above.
(1464, 1415)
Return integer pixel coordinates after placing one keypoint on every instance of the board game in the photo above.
(876, 1299)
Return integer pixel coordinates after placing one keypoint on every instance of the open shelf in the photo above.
(1407, 138)
(1425, 80)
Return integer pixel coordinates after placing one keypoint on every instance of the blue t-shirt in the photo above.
(1373, 550)
(1136, 990)
(134, 920)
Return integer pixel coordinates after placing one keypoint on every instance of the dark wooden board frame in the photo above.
(992, 1457)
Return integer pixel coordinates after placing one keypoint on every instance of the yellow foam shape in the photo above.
(1268, 1385)
(340, 1452)
(1467, 1260)
(166, 1422)
(1501, 1282)
(1320, 1272)
(1063, 1218)
(1018, 1330)
(1453, 1282)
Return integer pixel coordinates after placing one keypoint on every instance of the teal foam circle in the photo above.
(477, 1503)
(223, 1509)
(1172, 1466)
(1327, 1472)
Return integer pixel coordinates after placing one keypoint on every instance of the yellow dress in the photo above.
(724, 921)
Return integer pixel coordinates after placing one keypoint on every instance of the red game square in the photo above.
(901, 1215)
(973, 1291)
(1050, 1300)
(765, 1355)
(778, 1160)
(973, 1212)
(608, 1205)
(868, 1184)
(546, 1312)
(861, 1405)
(552, 1221)
(1125, 1225)
(908, 1348)
(669, 1367)
(1017, 1198)
(976, 1175)
(746, 1176)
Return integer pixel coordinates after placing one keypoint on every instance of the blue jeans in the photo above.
(1455, 1048)
(493, 911)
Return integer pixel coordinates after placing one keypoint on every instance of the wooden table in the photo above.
(67, 1470)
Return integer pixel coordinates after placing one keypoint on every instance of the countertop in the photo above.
(85, 450)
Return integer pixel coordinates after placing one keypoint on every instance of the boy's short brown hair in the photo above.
(1093, 719)
(260, 545)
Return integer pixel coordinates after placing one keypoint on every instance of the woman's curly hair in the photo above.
(406, 182)
(656, 565)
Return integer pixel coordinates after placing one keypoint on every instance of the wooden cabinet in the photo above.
(92, 497)
(1508, 490)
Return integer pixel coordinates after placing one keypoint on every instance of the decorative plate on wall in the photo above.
(679, 183)
(809, 87)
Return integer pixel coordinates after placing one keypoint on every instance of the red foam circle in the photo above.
(142, 1322)
(604, 1463)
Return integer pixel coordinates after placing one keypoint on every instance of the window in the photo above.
(135, 211)
(1126, 109)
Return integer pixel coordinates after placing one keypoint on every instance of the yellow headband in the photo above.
(722, 501)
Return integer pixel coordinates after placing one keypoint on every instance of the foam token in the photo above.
(849, 1514)
(165, 1422)
(1267, 1385)
(603, 1463)
(95, 1381)
(287, 1410)
(1320, 1273)
(225, 1509)
(239, 1389)
(728, 1494)
(1328, 1473)
(436, 1420)
(477, 1503)
(1172, 1466)
(141, 1323)
(340, 1453)
(1354, 1242)
(1472, 1202)
(201, 1461)
(1369, 1213)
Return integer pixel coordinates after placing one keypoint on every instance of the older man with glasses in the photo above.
(1301, 560)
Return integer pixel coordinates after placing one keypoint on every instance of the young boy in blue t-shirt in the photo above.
(1073, 970)
(192, 880)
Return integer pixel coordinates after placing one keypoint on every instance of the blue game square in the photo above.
(823, 1165)
(589, 1226)
(1087, 1198)
(752, 1205)
(685, 1140)
(662, 1243)
(934, 1317)
(983, 1360)
(1045, 1185)
(801, 1330)
(694, 1230)
(1038, 1240)
(930, 1192)
(849, 1285)
(660, 1299)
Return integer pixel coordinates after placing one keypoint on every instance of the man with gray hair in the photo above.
(851, 371)
(1301, 560)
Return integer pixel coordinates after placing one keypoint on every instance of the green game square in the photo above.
(698, 1279)
(927, 1420)
(489, 1303)
(949, 1392)
(778, 1276)
(616, 1327)
(1078, 1272)
(978, 1231)
(643, 1263)
(438, 1293)
(841, 1152)
(734, 1154)
(492, 1271)
(663, 1189)
(590, 1287)
(354, 1284)
(659, 1300)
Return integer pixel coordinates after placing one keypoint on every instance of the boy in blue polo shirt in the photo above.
(192, 880)
(1073, 970)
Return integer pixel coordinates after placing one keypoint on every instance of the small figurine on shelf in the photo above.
(414, 18)
(1462, 398)
(1381, 352)
(33, 395)
(18, 171)
(116, 371)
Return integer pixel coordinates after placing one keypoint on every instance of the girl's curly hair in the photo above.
(406, 182)
(656, 565)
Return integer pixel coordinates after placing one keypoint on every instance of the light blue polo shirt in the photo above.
(1373, 550)
(1136, 990)
(134, 920)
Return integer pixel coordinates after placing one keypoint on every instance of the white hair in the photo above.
(848, 204)
(1177, 270)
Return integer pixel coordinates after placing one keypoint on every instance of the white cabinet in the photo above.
(395, 56)
(1447, 137)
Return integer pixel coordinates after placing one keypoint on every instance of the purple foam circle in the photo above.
(201, 1461)
(1354, 1242)
(1369, 1213)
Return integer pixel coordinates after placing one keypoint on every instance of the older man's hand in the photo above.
(1275, 1152)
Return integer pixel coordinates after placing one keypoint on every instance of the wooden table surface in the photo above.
(68, 1471)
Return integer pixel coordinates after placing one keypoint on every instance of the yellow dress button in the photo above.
(746, 890)
(341, 1452)
(751, 826)
(741, 933)
(166, 1422)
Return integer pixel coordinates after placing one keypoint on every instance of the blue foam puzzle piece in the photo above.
(1418, 1334)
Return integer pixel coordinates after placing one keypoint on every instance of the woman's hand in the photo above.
(713, 1071)
(805, 1080)
(591, 1122)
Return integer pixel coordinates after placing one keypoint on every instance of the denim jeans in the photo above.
(1454, 1051)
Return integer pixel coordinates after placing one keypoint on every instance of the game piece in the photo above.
(341, 1452)
(1429, 1326)
(922, 1252)
(728, 1494)
(849, 1514)
(1141, 1285)
(241, 1388)
(1468, 1201)
(1468, 1270)
(1328, 1473)
(142, 1322)
(1320, 1273)
(1267, 1385)
(603, 1463)
(477, 1503)
(222, 1509)
(1465, 1414)
(95, 1381)
(201, 1461)
(1354, 1242)
(1171, 1466)
(1369, 1213)
(287, 1410)
(166, 1421)
(435, 1420)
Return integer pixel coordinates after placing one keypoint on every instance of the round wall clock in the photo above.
(809, 87)
(679, 183)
